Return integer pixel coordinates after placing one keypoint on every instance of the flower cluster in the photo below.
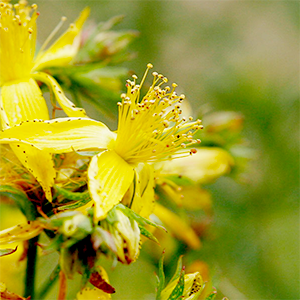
(88, 191)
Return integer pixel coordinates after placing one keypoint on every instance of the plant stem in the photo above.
(31, 268)
(48, 284)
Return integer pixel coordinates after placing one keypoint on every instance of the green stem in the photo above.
(31, 268)
(48, 284)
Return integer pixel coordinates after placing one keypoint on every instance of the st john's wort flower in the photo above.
(21, 97)
(150, 129)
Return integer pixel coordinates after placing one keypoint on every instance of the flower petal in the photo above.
(68, 107)
(60, 135)
(109, 177)
(208, 164)
(39, 164)
(143, 202)
(22, 100)
(177, 225)
(65, 48)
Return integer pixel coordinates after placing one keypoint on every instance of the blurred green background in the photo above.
(226, 55)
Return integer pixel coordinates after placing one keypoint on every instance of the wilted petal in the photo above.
(21, 232)
(60, 135)
(92, 294)
(109, 177)
(177, 226)
(68, 107)
(65, 48)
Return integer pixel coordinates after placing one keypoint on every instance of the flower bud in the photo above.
(193, 284)
(127, 238)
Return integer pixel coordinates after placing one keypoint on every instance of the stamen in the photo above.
(53, 33)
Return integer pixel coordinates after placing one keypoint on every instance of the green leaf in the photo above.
(178, 290)
(160, 277)
(4, 252)
(21, 199)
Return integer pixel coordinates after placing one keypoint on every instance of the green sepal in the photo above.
(148, 234)
(139, 219)
(211, 296)
(4, 252)
(179, 288)
(161, 276)
(178, 271)
(85, 196)
(21, 199)
(80, 198)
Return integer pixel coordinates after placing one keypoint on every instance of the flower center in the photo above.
(17, 40)
(152, 128)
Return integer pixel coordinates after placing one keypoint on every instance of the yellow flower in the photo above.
(150, 129)
(21, 98)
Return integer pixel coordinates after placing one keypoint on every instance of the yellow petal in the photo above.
(144, 201)
(60, 135)
(203, 167)
(22, 100)
(65, 48)
(68, 107)
(39, 164)
(92, 294)
(21, 232)
(109, 177)
(177, 226)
